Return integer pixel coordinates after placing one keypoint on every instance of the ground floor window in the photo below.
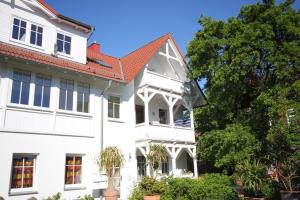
(141, 165)
(23, 170)
(165, 167)
(73, 169)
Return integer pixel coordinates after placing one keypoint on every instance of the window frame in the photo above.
(21, 87)
(26, 42)
(64, 41)
(19, 29)
(36, 32)
(27, 190)
(66, 95)
(83, 93)
(44, 76)
(77, 185)
(120, 99)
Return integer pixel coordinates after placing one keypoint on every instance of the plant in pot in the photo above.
(151, 188)
(110, 160)
(252, 175)
(156, 155)
(284, 144)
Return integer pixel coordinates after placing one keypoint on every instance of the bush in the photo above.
(207, 187)
(148, 186)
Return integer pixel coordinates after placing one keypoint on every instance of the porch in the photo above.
(181, 161)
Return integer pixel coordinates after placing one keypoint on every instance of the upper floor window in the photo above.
(66, 94)
(73, 169)
(42, 91)
(63, 43)
(23, 171)
(36, 35)
(114, 107)
(19, 30)
(83, 97)
(20, 87)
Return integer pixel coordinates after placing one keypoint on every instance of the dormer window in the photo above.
(19, 30)
(63, 43)
(36, 35)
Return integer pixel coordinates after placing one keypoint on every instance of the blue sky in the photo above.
(124, 25)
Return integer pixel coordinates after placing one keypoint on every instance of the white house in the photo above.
(62, 102)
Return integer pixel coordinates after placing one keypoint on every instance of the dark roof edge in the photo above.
(89, 27)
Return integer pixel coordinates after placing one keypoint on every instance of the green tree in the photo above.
(226, 148)
(251, 64)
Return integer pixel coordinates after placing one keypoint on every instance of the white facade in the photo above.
(150, 111)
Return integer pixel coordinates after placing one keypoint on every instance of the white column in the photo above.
(173, 160)
(147, 166)
(192, 119)
(146, 102)
(195, 167)
(171, 115)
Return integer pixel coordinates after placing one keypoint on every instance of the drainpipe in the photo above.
(102, 121)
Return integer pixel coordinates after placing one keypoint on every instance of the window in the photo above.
(73, 170)
(42, 91)
(165, 167)
(114, 107)
(63, 43)
(19, 30)
(141, 165)
(83, 97)
(139, 114)
(20, 87)
(23, 169)
(66, 94)
(162, 116)
(36, 35)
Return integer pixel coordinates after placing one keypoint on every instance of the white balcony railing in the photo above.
(164, 132)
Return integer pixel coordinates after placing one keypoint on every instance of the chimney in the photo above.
(94, 47)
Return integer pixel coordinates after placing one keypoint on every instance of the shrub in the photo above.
(208, 187)
(148, 186)
(86, 197)
(57, 196)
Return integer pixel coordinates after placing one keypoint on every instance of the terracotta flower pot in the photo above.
(155, 197)
(110, 194)
(287, 195)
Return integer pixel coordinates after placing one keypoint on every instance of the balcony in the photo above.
(164, 132)
(161, 81)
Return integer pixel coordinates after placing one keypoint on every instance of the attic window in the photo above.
(102, 63)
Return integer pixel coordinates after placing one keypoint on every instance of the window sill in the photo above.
(27, 107)
(182, 127)
(22, 192)
(115, 120)
(74, 187)
(23, 43)
(64, 55)
(72, 113)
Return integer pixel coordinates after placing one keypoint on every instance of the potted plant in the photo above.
(151, 188)
(156, 155)
(287, 175)
(252, 176)
(110, 160)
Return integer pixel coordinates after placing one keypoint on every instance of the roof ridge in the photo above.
(167, 34)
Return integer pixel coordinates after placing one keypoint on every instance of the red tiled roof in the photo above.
(90, 68)
(121, 69)
(136, 60)
(54, 12)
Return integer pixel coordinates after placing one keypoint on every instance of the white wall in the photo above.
(32, 14)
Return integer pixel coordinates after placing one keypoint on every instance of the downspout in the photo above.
(102, 115)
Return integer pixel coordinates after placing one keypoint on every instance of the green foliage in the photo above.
(110, 160)
(57, 196)
(148, 186)
(209, 186)
(251, 64)
(156, 155)
(86, 197)
(225, 148)
(252, 175)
